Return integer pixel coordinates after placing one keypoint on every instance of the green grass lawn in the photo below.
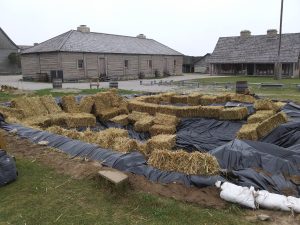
(40, 196)
(288, 92)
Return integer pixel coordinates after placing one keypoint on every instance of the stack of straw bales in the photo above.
(144, 124)
(121, 119)
(234, 113)
(195, 163)
(255, 131)
(164, 124)
(208, 99)
(134, 116)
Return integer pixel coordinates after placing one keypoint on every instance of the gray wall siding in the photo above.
(114, 65)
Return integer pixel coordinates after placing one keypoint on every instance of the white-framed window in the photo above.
(126, 64)
(80, 64)
(150, 63)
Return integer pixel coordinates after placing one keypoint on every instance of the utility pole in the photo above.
(278, 65)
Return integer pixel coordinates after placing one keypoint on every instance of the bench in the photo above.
(272, 85)
(94, 82)
(114, 176)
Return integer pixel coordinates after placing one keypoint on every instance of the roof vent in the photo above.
(83, 29)
(142, 36)
(271, 33)
(35, 44)
(245, 33)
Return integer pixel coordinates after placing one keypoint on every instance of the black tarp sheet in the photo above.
(8, 169)
(267, 164)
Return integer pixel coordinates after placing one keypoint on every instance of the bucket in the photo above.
(57, 83)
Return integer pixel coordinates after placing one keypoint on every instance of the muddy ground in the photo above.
(79, 168)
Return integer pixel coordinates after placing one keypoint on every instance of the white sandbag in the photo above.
(269, 200)
(237, 194)
(294, 203)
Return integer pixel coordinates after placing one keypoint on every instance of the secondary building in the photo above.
(81, 54)
(256, 54)
(8, 49)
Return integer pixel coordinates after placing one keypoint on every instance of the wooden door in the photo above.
(102, 67)
(165, 65)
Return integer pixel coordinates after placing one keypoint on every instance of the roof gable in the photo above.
(6, 42)
(76, 41)
(256, 49)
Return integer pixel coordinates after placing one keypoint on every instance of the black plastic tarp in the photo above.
(205, 134)
(8, 169)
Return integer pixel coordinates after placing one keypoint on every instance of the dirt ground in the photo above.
(79, 168)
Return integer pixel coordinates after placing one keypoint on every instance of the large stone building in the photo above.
(7, 46)
(256, 54)
(81, 54)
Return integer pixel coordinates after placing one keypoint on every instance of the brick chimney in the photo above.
(271, 33)
(245, 33)
(83, 29)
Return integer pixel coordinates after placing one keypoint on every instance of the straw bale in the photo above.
(80, 120)
(142, 148)
(86, 104)
(135, 105)
(210, 111)
(257, 118)
(165, 119)
(265, 104)
(248, 132)
(179, 99)
(107, 137)
(135, 116)
(270, 124)
(50, 104)
(280, 105)
(194, 99)
(69, 104)
(157, 129)
(167, 109)
(242, 98)
(144, 124)
(110, 113)
(195, 163)
(121, 119)
(266, 112)
(152, 99)
(208, 99)
(37, 105)
(221, 98)
(162, 141)
(234, 113)
(24, 104)
(11, 112)
(166, 97)
(124, 144)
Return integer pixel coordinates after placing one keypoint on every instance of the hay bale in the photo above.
(162, 141)
(209, 111)
(135, 105)
(30, 106)
(142, 148)
(86, 104)
(257, 118)
(271, 123)
(183, 99)
(194, 99)
(164, 119)
(152, 99)
(265, 104)
(157, 129)
(69, 104)
(208, 99)
(50, 104)
(280, 105)
(37, 105)
(11, 112)
(248, 132)
(135, 116)
(194, 163)
(106, 138)
(242, 98)
(73, 120)
(110, 113)
(167, 109)
(121, 119)
(124, 144)
(234, 113)
(266, 112)
(144, 124)
(166, 97)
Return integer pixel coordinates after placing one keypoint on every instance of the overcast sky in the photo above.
(191, 27)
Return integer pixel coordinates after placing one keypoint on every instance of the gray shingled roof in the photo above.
(256, 49)
(76, 41)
